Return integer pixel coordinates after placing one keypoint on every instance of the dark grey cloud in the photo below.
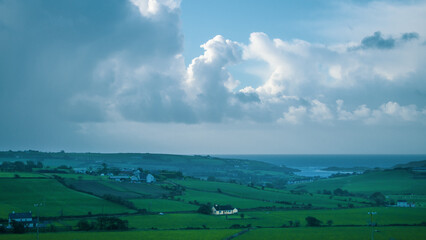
(410, 36)
(377, 41)
(248, 97)
(66, 62)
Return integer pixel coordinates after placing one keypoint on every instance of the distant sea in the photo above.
(311, 165)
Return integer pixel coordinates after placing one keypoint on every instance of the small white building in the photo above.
(150, 178)
(224, 210)
(403, 203)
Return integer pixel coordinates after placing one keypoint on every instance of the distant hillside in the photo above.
(415, 164)
(195, 165)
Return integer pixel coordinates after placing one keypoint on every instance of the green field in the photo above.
(336, 233)
(168, 208)
(401, 182)
(163, 205)
(342, 217)
(154, 235)
(235, 194)
(20, 195)
(21, 175)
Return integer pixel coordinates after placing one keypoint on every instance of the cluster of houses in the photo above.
(403, 203)
(25, 218)
(134, 177)
(125, 175)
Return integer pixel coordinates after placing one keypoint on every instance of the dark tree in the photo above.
(18, 227)
(312, 222)
(378, 198)
(205, 209)
(330, 222)
(39, 164)
(84, 225)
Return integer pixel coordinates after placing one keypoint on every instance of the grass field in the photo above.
(388, 182)
(268, 211)
(359, 216)
(146, 235)
(20, 195)
(163, 205)
(356, 216)
(179, 221)
(21, 175)
(231, 192)
(336, 233)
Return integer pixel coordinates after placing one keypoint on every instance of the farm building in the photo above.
(120, 178)
(25, 218)
(150, 178)
(223, 210)
(403, 203)
(80, 170)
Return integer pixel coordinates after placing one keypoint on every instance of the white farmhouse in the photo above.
(223, 210)
(25, 218)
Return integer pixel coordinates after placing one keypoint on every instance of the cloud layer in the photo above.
(67, 68)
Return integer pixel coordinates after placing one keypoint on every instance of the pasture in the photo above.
(21, 194)
(146, 235)
(336, 233)
(390, 182)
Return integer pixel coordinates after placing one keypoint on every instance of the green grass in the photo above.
(179, 221)
(356, 216)
(217, 198)
(388, 182)
(146, 235)
(385, 216)
(20, 195)
(210, 190)
(163, 205)
(21, 175)
(336, 233)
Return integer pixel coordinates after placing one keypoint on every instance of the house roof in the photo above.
(20, 215)
(223, 207)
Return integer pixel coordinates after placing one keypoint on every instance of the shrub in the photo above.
(18, 227)
(312, 222)
(84, 225)
(378, 198)
(205, 209)
(112, 223)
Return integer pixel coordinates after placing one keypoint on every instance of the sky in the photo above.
(213, 77)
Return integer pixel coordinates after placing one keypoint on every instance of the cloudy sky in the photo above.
(213, 77)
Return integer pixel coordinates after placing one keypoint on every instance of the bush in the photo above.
(378, 198)
(205, 209)
(312, 222)
(84, 225)
(112, 223)
(18, 227)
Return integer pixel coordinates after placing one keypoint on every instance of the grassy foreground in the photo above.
(147, 235)
(336, 233)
